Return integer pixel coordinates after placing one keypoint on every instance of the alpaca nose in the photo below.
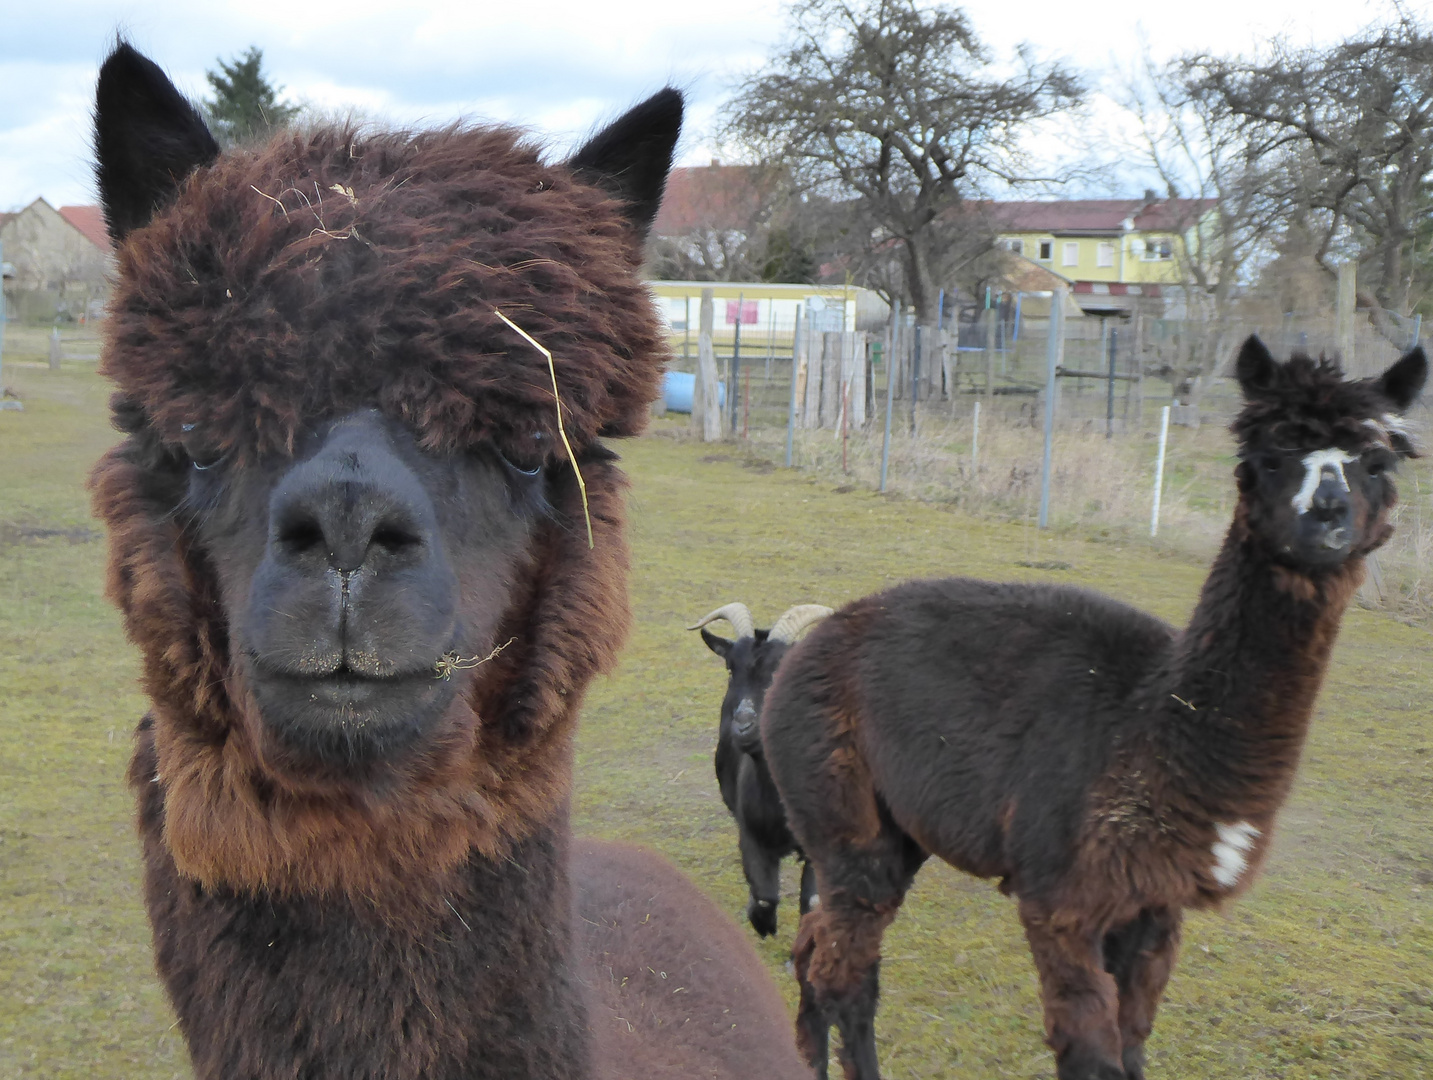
(349, 507)
(1330, 502)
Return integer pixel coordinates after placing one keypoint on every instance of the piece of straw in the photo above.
(561, 430)
(451, 662)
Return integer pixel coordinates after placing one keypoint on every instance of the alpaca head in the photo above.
(1317, 454)
(346, 530)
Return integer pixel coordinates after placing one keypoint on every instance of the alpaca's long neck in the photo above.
(1232, 705)
(327, 987)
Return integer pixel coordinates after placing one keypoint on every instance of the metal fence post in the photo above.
(791, 408)
(1110, 399)
(1054, 349)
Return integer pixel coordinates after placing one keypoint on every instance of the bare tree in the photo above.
(1351, 127)
(895, 106)
(1228, 194)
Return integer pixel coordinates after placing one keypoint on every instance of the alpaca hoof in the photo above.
(1083, 1067)
(762, 916)
(1134, 1062)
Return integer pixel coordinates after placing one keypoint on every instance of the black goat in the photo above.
(746, 785)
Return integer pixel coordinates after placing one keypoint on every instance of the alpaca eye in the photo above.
(201, 455)
(528, 457)
(1271, 463)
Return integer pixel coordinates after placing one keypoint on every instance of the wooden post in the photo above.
(831, 379)
(1347, 299)
(811, 351)
(735, 368)
(706, 408)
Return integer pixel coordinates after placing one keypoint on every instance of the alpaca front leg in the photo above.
(1141, 956)
(1081, 998)
(837, 957)
(763, 879)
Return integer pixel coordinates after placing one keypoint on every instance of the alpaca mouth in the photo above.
(348, 716)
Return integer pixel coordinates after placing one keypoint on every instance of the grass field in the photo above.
(1324, 970)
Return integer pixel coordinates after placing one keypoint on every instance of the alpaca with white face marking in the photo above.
(1109, 770)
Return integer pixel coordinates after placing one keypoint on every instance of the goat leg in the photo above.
(808, 886)
(762, 868)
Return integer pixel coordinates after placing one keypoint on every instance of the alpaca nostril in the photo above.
(397, 538)
(300, 535)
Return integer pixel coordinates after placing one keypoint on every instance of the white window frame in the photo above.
(1105, 256)
(1157, 249)
(1047, 251)
(1070, 253)
(1016, 246)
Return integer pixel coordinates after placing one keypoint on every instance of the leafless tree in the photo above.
(1351, 129)
(897, 107)
(1234, 184)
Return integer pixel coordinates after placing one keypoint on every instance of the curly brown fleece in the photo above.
(299, 281)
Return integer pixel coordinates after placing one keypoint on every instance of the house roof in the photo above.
(89, 220)
(1099, 215)
(710, 196)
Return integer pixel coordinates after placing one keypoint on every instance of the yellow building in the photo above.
(1113, 252)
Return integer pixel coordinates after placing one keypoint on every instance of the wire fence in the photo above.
(962, 414)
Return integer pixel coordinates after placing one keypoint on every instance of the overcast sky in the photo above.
(559, 66)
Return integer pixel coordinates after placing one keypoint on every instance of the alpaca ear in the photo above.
(148, 138)
(1256, 367)
(1402, 383)
(716, 643)
(630, 158)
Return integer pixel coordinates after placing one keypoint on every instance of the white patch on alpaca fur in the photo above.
(1314, 466)
(1229, 852)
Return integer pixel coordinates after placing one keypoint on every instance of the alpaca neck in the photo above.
(1234, 702)
(268, 986)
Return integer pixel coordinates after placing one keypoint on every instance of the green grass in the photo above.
(1324, 970)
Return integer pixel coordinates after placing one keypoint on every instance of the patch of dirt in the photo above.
(1044, 564)
(75, 534)
(714, 459)
(759, 465)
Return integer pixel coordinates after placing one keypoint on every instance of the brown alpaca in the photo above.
(348, 538)
(1109, 770)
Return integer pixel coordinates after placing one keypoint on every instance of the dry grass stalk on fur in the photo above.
(451, 662)
(561, 430)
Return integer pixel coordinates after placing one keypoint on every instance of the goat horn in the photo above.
(734, 613)
(796, 619)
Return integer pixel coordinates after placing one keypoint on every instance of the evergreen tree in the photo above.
(245, 106)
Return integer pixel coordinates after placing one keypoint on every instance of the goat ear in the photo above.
(1256, 367)
(716, 643)
(1403, 382)
(148, 138)
(630, 158)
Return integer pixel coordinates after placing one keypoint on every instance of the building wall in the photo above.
(56, 266)
(1131, 269)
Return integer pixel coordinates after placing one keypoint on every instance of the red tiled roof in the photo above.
(89, 220)
(710, 196)
(1098, 215)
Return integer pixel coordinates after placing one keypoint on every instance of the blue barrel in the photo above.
(680, 387)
